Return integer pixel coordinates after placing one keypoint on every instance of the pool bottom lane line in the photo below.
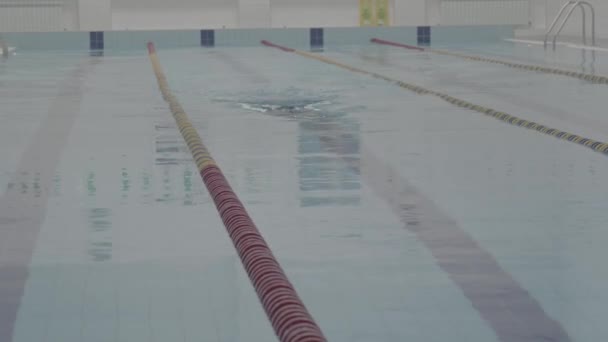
(595, 145)
(22, 214)
(285, 310)
(527, 67)
(512, 313)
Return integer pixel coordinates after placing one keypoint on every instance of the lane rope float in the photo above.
(285, 310)
(597, 146)
(536, 68)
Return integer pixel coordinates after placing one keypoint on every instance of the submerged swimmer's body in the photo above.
(302, 109)
(5, 50)
(3, 47)
(284, 109)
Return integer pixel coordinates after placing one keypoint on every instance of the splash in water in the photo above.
(284, 107)
(291, 103)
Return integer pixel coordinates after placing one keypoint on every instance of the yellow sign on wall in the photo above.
(382, 10)
(374, 13)
(366, 12)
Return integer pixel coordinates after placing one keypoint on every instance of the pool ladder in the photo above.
(570, 6)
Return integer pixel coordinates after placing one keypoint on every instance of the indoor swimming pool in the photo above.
(397, 216)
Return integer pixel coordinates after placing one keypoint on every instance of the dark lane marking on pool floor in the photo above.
(22, 214)
(453, 79)
(511, 312)
(597, 146)
(596, 79)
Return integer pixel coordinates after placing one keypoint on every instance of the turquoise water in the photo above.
(361, 189)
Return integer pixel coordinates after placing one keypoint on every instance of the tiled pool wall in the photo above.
(294, 37)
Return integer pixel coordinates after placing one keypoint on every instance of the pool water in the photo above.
(397, 216)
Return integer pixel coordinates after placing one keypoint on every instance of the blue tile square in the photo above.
(96, 40)
(316, 37)
(208, 38)
(424, 30)
(424, 35)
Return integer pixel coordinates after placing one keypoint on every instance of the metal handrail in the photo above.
(580, 4)
(559, 15)
(561, 27)
(573, 5)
